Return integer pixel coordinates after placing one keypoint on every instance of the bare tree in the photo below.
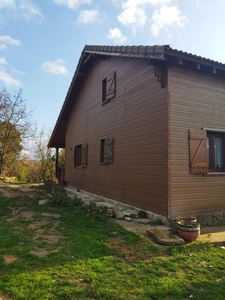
(45, 156)
(15, 127)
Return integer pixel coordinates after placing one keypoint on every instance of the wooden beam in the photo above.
(161, 72)
(87, 58)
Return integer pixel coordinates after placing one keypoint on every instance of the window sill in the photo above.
(215, 173)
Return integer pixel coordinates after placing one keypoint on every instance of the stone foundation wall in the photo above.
(215, 219)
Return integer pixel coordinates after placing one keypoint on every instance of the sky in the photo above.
(41, 40)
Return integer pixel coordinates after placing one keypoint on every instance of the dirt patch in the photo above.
(9, 259)
(50, 215)
(129, 253)
(9, 192)
(44, 239)
(28, 215)
(40, 252)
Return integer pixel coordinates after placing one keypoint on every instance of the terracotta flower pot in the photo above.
(189, 233)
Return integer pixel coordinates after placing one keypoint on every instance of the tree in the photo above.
(15, 127)
(45, 156)
(10, 145)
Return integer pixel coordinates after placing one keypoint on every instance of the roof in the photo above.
(155, 54)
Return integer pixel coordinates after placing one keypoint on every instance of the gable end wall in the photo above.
(137, 120)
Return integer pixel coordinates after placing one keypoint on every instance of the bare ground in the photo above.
(39, 222)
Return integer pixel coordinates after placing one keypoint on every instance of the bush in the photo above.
(95, 211)
(64, 201)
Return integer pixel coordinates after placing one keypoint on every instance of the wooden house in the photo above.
(145, 125)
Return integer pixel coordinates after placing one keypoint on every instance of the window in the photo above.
(106, 150)
(80, 155)
(109, 87)
(215, 151)
(207, 151)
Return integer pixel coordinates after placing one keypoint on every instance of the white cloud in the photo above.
(116, 35)
(18, 72)
(3, 61)
(23, 9)
(88, 16)
(8, 80)
(55, 67)
(166, 16)
(6, 3)
(29, 11)
(134, 13)
(72, 3)
(6, 39)
(133, 17)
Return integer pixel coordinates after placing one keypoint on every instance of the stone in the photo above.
(133, 213)
(42, 202)
(119, 215)
(143, 221)
(128, 219)
(165, 221)
(110, 213)
(164, 236)
(150, 215)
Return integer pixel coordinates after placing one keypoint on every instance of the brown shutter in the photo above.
(108, 154)
(198, 151)
(111, 86)
(84, 155)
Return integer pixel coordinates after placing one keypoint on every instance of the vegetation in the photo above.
(55, 251)
(15, 126)
(17, 129)
(45, 156)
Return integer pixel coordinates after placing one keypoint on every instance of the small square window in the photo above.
(106, 150)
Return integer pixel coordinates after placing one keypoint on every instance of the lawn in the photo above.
(56, 252)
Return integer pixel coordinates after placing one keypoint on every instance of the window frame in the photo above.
(201, 151)
(211, 135)
(80, 156)
(106, 150)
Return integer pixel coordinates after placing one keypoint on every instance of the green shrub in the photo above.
(64, 201)
(95, 211)
(142, 214)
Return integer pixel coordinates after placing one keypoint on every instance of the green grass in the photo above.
(92, 259)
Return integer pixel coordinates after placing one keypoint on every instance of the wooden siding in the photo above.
(197, 100)
(137, 120)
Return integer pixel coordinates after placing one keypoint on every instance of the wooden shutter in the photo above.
(84, 155)
(111, 86)
(198, 151)
(108, 153)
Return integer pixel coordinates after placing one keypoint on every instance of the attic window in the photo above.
(106, 150)
(109, 87)
(80, 156)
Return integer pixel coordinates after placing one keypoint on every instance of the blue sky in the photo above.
(41, 40)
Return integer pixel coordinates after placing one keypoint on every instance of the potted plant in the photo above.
(188, 228)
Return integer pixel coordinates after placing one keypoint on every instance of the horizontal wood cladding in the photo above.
(197, 100)
(137, 120)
